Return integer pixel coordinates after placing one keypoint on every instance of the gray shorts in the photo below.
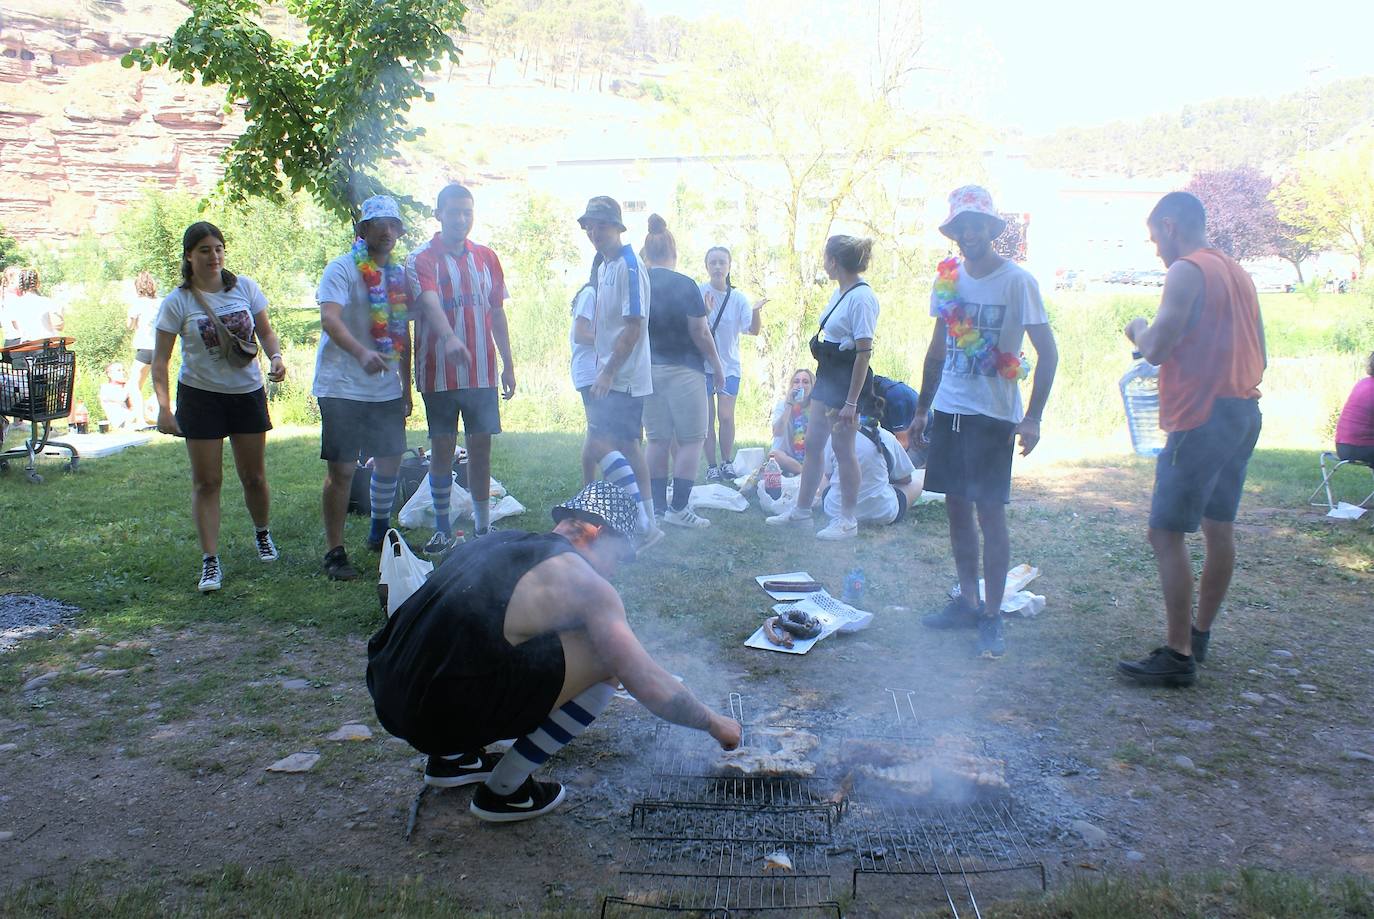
(676, 409)
(479, 408)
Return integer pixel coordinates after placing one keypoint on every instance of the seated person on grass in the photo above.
(522, 635)
(1355, 427)
(888, 483)
(790, 422)
(117, 400)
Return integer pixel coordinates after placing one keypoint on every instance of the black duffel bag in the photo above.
(414, 468)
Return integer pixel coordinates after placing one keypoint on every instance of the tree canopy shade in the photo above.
(320, 112)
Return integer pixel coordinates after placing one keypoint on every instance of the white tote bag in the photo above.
(402, 573)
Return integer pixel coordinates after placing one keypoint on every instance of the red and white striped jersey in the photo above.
(469, 285)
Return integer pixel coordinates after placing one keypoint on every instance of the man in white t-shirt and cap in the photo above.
(984, 306)
(362, 376)
(618, 333)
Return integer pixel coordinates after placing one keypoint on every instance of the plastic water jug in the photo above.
(1140, 393)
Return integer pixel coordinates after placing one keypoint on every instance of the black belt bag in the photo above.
(820, 348)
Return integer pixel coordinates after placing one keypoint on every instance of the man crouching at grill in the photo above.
(520, 635)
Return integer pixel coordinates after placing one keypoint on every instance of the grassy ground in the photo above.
(177, 700)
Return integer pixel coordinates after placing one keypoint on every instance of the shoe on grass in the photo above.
(484, 531)
(793, 514)
(955, 615)
(727, 472)
(337, 566)
(439, 544)
(992, 639)
(465, 769)
(1200, 642)
(267, 549)
(685, 518)
(374, 545)
(532, 799)
(713, 473)
(1162, 667)
(211, 576)
(652, 537)
(839, 528)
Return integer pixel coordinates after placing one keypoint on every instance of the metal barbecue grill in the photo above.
(700, 840)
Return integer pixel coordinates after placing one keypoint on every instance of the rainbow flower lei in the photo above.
(386, 292)
(974, 342)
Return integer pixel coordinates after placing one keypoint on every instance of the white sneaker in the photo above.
(839, 528)
(793, 514)
(652, 537)
(727, 472)
(211, 577)
(685, 518)
(267, 549)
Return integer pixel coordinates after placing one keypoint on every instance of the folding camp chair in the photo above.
(1327, 474)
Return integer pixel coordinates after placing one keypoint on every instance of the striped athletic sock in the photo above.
(382, 492)
(616, 469)
(530, 752)
(441, 488)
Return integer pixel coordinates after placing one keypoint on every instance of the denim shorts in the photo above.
(731, 385)
(1201, 472)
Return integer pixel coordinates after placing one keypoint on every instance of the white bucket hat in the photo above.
(382, 206)
(972, 199)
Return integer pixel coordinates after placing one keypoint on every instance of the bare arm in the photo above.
(1179, 306)
(583, 332)
(849, 412)
(500, 332)
(756, 321)
(268, 336)
(706, 344)
(1046, 363)
(620, 352)
(162, 356)
(432, 314)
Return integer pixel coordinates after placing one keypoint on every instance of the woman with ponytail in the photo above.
(680, 345)
(842, 347)
(583, 341)
(728, 315)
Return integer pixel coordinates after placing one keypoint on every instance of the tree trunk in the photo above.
(1297, 266)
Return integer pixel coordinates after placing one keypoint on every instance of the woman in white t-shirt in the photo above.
(215, 399)
(142, 321)
(584, 355)
(728, 315)
(842, 349)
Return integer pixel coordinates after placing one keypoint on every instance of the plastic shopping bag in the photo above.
(402, 573)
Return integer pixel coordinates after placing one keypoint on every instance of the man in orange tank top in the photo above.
(1208, 341)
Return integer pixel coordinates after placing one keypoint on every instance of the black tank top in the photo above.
(452, 631)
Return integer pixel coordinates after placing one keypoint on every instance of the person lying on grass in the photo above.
(521, 635)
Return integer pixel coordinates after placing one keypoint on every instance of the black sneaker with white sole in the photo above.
(532, 799)
(464, 769)
(1163, 667)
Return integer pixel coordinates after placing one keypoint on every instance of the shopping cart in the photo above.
(36, 386)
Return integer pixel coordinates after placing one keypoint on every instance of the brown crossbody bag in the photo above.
(236, 352)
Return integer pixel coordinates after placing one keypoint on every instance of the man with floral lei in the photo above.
(362, 376)
(458, 292)
(983, 307)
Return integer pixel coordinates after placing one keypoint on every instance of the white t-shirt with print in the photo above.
(201, 364)
(622, 292)
(856, 317)
(1001, 305)
(338, 375)
(583, 356)
(877, 502)
(737, 316)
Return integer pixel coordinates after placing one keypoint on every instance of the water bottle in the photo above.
(853, 592)
(1140, 394)
(772, 479)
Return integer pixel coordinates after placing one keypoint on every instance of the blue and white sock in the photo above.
(382, 492)
(530, 752)
(616, 469)
(441, 489)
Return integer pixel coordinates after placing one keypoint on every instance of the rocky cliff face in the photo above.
(80, 136)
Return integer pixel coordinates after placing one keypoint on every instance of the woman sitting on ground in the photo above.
(790, 419)
(1355, 428)
(888, 482)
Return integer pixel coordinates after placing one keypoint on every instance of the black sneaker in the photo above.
(489, 528)
(467, 769)
(1161, 668)
(955, 615)
(439, 544)
(337, 567)
(532, 799)
(1200, 642)
(992, 641)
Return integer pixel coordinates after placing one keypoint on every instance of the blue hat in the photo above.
(379, 206)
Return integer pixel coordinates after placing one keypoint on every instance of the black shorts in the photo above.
(617, 415)
(144, 355)
(1201, 472)
(205, 415)
(349, 427)
(1355, 453)
(970, 457)
(832, 383)
(901, 504)
(480, 410)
